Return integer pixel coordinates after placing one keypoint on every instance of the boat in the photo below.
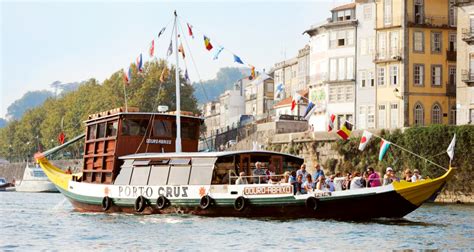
(35, 180)
(148, 163)
(5, 185)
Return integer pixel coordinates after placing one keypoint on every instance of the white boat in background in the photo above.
(34, 180)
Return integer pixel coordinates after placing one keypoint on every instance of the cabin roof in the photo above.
(203, 154)
(139, 113)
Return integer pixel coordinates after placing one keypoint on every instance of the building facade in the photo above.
(259, 97)
(465, 61)
(232, 106)
(332, 67)
(211, 111)
(365, 66)
(415, 62)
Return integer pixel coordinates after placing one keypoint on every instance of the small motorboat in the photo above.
(35, 180)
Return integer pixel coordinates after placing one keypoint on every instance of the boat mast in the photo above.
(178, 91)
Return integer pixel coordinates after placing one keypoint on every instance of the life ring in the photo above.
(240, 203)
(140, 204)
(205, 202)
(312, 203)
(162, 202)
(106, 203)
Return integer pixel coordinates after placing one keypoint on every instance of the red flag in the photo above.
(190, 30)
(331, 122)
(61, 138)
(295, 100)
(152, 48)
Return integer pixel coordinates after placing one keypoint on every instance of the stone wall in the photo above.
(15, 170)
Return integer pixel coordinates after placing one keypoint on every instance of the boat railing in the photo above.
(261, 178)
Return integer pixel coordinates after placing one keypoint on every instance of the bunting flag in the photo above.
(207, 43)
(218, 51)
(186, 76)
(331, 122)
(181, 50)
(152, 48)
(345, 131)
(279, 89)
(296, 99)
(252, 72)
(450, 149)
(237, 59)
(125, 77)
(170, 48)
(164, 75)
(309, 110)
(384, 145)
(139, 63)
(61, 138)
(129, 77)
(190, 30)
(364, 140)
(161, 31)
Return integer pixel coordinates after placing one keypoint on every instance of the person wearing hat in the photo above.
(389, 176)
(416, 176)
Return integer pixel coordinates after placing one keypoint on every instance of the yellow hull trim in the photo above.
(420, 191)
(59, 177)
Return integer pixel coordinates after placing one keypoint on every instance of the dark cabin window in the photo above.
(91, 132)
(112, 129)
(188, 130)
(162, 128)
(101, 131)
(134, 127)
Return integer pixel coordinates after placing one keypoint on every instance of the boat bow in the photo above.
(59, 177)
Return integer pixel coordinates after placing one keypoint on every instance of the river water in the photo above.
(48, 222)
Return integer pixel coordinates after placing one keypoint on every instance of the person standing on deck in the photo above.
(374, 178)
(241, 180)
(259, 174)
(318, 172)
(302, 171)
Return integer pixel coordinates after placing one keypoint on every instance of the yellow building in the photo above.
(415, 62)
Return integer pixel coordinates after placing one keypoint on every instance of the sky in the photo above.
(46, 41)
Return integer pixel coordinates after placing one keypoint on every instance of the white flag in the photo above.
(364, 140)
(450, 149)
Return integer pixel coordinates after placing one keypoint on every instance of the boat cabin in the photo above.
(116, 133)
(200, 168)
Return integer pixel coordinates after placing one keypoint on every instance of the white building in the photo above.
(332, 67)
(232, 106)
(465, 63)
(259, 97)
(212, 119)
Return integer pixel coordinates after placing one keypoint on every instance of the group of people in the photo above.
(303, 182)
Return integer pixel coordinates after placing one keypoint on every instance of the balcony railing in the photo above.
(389, 56)
(468, 35)
(450, 89)
(428, 21)
(468, 77)
(451, 55)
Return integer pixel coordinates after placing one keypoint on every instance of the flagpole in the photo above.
(125, 96)
(178, 88)
(427, 160)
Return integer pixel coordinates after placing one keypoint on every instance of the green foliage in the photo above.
(225, 79)
(429, 142)
(41, 126)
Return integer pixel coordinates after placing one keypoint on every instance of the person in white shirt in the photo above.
(356, 182)
(302, 171)
(416, 176)
(241, 180)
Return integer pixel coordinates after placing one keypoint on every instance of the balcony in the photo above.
(468, 35)
(428, 21)
(389, 57)
(450, 90)
(468, 77)
(451, 55)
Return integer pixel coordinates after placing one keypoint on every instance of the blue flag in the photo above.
(218, 51)
(237, 59)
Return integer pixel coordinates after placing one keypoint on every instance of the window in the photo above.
(367, 12)
(382, 45)
(381, 76)
(201, 172)
(332, 69)
(363, 78)
(134, 127)
(452, 42)
(394, 75)
(371, 116)
(387, 14)
(436, 114)
(452, 15)
(371, 79)
(418, 41)
(347, 15)
(349, 93)
(382, 116)
(112, 129)
(362, 117)
(436, 42)
(452, 115)
(341, 38)
(332, 94)
(393, 116)
(140, 175)
(340, 16)
(371, 45)
(340, 94)
(452, 75)
(91, 131)
(394, 44)
(418, 74)
(350, 68)
(419, 115)
(436, 75)
(159, 175)
(419, 13)
(341, 75)
(162, 128)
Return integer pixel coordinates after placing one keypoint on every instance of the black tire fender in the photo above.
(240, 203)
(106, 203)
(162, 202)
(140, 203)
(206, 202)
(312, 203)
